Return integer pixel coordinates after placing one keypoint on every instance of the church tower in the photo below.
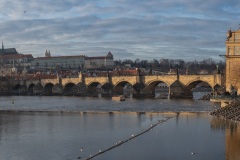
(233, 60)
(47, 53)
(2, 46)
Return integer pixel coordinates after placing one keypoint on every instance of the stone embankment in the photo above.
(231, 111)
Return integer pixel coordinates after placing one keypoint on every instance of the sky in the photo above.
(130, 29)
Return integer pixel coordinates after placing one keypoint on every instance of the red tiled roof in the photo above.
(124, 72)
(79, 56)
(16, 56)
(94, 58)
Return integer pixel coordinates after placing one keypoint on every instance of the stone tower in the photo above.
(233, 61)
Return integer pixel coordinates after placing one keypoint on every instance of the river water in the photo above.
(57, 128)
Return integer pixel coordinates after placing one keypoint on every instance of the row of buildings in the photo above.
(12, 61)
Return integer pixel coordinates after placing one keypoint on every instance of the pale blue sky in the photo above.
(130, 29)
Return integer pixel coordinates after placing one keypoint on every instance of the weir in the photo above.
(129, 139)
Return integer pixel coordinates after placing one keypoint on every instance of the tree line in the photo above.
(165, 65)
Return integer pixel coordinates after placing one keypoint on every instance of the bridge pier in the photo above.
(22, 90)
(106, 93)
(177, 90)
(38, 89)
(107, 89)
(180, 92)
(148, 93)
(118, 90)
(57, 89)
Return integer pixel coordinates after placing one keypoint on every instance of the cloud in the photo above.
(130, 29)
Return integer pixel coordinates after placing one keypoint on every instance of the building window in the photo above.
(237, 37)
(237, 50)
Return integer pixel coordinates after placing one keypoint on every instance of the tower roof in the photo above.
(109, 54)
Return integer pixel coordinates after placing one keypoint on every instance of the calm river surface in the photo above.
(56, 128)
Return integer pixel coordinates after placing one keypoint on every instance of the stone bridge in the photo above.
(179, 86)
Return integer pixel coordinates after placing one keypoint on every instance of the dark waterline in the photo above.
(61, 135)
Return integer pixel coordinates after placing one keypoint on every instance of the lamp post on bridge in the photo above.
(177, 71)
(218, 71)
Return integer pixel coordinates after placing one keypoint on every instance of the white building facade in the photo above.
(72, 62)
(58, 62)
(99, 62)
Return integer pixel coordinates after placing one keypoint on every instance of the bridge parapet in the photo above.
(54, 81)
(130, 79)
(168, 79)
(212, 80)
(100, 80)
(75, 81)
(29, 82)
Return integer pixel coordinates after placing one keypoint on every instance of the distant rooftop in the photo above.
(16, 56)
(108, 56)
(61, 57)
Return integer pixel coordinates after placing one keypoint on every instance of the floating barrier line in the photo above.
(132, 137)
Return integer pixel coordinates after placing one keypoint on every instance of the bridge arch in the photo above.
(167, 79)
(122, 87)
(21, 89)
(94, 88)
(48, 86)
(123, 81)
(38, 88)
(80, 89)
(198, 88)
(94, 84)
(30, 88)
(47, 89)
(17, 87)
(195, 83)
(157, 87)
(107, 88)
(68, 87)
(138, 87)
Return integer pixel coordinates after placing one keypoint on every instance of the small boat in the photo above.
(118, 98)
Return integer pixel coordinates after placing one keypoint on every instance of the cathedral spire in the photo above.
(2, 46)
(47, 53)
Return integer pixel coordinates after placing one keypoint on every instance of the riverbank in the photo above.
(231, 111)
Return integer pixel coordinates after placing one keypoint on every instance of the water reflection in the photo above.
(29, 135)
(60, 135)
(233, 143)
(232, 136)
